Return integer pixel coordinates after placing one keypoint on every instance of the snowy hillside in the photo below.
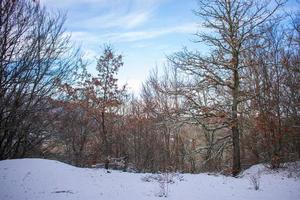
(38, 179)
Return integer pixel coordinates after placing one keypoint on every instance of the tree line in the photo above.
(222, 109)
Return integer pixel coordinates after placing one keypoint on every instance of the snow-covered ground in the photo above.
(38, 179)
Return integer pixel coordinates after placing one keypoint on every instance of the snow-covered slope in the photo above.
(38, 179)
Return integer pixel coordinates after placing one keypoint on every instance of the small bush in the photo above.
(255, 181)
(164, 180)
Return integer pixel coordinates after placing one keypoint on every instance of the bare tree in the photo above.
(35, 56)
(232, 23)
(272, 80)
(105, 95)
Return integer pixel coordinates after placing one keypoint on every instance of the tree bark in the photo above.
(236, 163)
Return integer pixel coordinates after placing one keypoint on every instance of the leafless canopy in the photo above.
(35, 57)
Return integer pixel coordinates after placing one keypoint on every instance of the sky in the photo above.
(143, 31)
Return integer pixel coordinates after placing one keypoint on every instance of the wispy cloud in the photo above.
(103, 14)
(115, 20)
(149, 34)
(133, 36)
(67, 3)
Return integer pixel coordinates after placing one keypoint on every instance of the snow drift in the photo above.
(38, 179)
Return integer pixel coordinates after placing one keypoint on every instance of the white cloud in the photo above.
(136, 3)
(67, 3)
(95, 38)
(90, 55)
(101, 14)
(115, 19)
(132, 36)
(136, 19)
(83, 37)
(132, 85)
(148, 34)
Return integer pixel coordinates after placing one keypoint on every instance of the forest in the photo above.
(221, 110)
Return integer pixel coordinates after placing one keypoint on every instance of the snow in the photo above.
(39, 179)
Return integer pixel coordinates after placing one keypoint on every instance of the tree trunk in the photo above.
(104, 134)
(236, 165)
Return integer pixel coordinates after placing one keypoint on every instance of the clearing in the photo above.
(39, 179)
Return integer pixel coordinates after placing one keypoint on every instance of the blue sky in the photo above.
(143, 31)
